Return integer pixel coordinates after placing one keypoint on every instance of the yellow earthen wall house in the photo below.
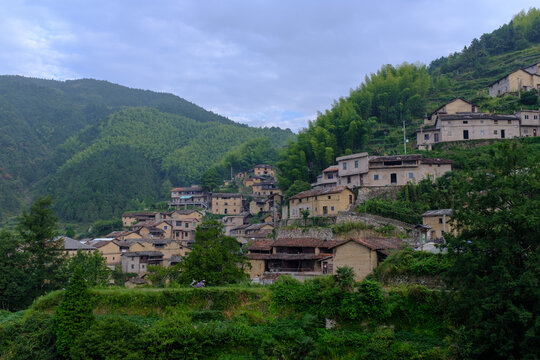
(321, 202)
(360, 258)
(226, 204)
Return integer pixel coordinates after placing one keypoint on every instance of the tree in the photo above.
(216, 258)
(496, 256)
(37, 231)
(95, 270)
(211, 179)
(74, 313)
(15, 282)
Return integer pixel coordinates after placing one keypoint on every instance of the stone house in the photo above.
(523, 79)
(264, 170)
(328, 179)
(398, 170)
(72, 246)
(362, 255)
(288, 255)
(258, 205)
(438, 223)
(352, 169)
(138, 261)
(232, 221)
(226, 204)
(143, 252)
(529, 122)
(189, 196)
(252, 180)
(110, 251)
(320, 202)
(266, 189)
(131, 218)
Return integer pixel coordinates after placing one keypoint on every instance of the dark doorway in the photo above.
(393, 178)
(502, 134)
(465, 134)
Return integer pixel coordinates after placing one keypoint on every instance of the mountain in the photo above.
(95, 145)
(371, 118)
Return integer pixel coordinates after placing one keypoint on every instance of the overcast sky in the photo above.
(263, 63)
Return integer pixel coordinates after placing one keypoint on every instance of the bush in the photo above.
(111, 338)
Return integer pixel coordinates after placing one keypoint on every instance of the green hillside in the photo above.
(95, 145)
(371, 117)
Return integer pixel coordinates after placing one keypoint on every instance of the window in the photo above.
(356, 164)
(187, 225)
(332, 208)
(329, 197)
(449, 122)
(526, 117)
(348, 179)
(482, 132)
(178, 223)
(495, 132)
(495, 121)
(344, 166)
(411, 175)
(426, 136)
(376, 177)
(325, 210)
(350, 202)
(132, 266)
(165, 227)
(465, 121)
(535, 117)
(225, 211)
(510, 122)
(330, 176)
(440, 220)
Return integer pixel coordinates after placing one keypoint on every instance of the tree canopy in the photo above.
(217, 259)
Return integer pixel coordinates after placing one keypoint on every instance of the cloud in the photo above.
(264, 63)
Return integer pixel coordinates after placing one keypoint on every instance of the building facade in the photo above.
(226, 204)
(321, 202)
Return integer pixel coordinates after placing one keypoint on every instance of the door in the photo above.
(502, 134)
(393, 178)
(465, 134)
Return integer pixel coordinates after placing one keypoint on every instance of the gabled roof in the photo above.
(476, 116)
(377, 244)
(510, 73)
(261, 245)
(144, 253)
(331, 169)
(352, 156)
(72, 244)
(458, 98)
(441, 212)
(317, 192)
(226, 195)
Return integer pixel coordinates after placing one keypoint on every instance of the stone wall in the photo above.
(315, 233)
(367, 193)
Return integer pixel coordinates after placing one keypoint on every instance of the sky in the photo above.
(259, 62)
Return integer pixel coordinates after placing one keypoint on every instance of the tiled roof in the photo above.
(441, 212)
(72, 244)
(476, 116)
(316, 192)
(226, 195)
(261, 245)
(395, 158)
(331, 169)
(437, 161)
(284, 256)
(352, 156)
(143, 253)
(377, 244)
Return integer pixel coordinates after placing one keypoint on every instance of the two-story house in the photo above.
(320, 202)
(226, 204)
(189, 196)
(523, 79)
(264, 170)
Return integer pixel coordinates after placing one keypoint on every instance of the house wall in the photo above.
(229, 206)
(530, 122)
(361, 259)
(257, 268)
(112, 254)
(127, 221)
(130, 264)
(262, 171)
(420, 172)
(457, 105)
(439, 226)
(132, 236)
(315, 204)
(512, 82)
(351, 169)
(421, 137)
(452, 130)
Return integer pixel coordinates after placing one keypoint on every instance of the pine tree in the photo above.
(74, 314)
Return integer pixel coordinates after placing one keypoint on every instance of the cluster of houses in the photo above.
(460, 120)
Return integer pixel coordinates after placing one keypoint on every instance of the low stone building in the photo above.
(523, 79)
(439, 223)
(72, 246)
(226, 204)
(320, 202)
(362, 255)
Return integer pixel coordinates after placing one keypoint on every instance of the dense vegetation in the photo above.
(97, 146)
(370, 118)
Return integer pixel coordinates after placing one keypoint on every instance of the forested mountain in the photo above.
(96, 145)
(371, 117)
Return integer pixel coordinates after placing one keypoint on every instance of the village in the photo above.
(294, 236)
